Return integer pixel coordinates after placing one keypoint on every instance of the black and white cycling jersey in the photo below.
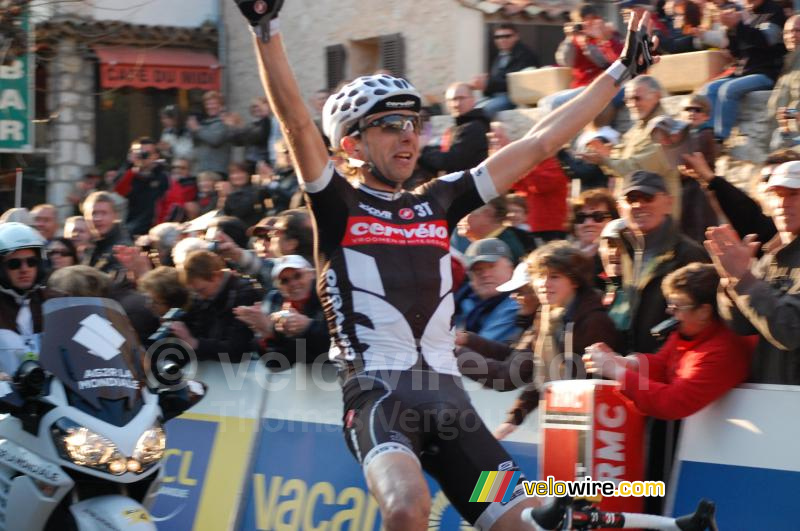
(384, 268)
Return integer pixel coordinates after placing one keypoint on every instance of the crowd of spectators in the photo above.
(656, 237)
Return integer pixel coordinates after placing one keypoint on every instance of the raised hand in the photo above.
(637, 54)
(731, 255)
(259, 13)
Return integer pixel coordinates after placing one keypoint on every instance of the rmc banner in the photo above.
(16, 95)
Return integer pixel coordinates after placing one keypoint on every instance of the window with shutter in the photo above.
(335, 59)
(393, 54)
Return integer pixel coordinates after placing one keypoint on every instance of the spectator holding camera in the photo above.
(210, 327)
(783, 101)
(587, 48)
(289, 321)
(143, 183)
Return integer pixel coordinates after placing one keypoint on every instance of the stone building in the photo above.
(431, 42)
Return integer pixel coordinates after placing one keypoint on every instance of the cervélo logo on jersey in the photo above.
(373, 231)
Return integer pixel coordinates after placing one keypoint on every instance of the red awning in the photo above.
(163, 68)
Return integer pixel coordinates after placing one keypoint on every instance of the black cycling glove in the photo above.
(636, 56)
(259, 13)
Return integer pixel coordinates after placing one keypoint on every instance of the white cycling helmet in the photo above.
(362, 96)
(15, 236)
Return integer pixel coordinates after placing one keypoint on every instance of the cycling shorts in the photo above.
(427, 415)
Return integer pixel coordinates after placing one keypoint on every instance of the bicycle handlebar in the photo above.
(566, 513)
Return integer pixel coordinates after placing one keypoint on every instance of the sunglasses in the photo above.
(504, 36)
(597, 217)
(12, 264)
(58, 252)
(180, 167)
(639, 197)
(693, 109)
(395, 123)
(294, 278)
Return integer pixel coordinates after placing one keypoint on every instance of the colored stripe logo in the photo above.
(495, 487)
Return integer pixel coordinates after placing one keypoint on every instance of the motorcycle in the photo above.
(82, 433)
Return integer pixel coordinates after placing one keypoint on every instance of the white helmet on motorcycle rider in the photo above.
(364, 96)
(17, 236)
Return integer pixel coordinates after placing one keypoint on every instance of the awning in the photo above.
(163, 68)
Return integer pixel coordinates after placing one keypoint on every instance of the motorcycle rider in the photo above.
(22, 293)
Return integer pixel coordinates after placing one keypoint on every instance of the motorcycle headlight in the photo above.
(84, 447)
(150, 446)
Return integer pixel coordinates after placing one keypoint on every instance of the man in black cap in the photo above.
(652, 247)
(480, 308)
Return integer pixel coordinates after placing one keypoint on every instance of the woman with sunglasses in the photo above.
(591, 212)
(62, 253)
(21, 293)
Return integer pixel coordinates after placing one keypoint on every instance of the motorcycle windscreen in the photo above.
(89, 344)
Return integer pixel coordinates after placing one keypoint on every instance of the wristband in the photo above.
(273, 29)
(617, 70)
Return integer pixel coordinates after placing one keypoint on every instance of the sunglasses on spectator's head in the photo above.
(396, 123)
(597, 217)
(693, 109)
(12, 264)
(503, 35)
(285, 280)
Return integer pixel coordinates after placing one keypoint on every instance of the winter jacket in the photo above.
(144, 190)
(640, 304)
(179, 193)
(212, 146)
(757, 41)
(467, 147)
(588, 57)
(214, 325)
(638, 151)
(686, 375)
(545, 189)
(766, 301)
(101, 255)
(743, 212)
(520, 57)
(492, 318)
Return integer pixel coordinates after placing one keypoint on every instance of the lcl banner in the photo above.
(16, 96)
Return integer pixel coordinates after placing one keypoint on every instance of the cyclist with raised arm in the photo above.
(384, 273)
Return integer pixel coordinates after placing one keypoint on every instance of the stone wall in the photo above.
(444, 42)
(71, 132)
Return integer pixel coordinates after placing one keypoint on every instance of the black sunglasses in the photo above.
(12, 264)
(396, 123)
(597, 217)
(693, 109)
(503, 35)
